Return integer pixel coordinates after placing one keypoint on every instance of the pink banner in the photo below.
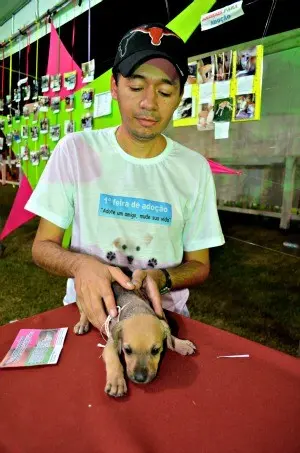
(218, 168)
(59, 62)
(18, 216)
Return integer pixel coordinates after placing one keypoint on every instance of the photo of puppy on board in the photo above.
(139, 335)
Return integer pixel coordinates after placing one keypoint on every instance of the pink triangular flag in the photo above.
(59, 62)
(219, 168)
(18, 216)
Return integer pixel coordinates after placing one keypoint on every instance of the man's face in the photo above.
(147, 100)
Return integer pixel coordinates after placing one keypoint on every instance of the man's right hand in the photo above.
(93, 281)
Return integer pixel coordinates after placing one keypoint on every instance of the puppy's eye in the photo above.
(155, 351)
(124, 247)
(128, 350)
(138, 248)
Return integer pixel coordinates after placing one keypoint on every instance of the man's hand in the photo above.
(152, 280)
(93, 281)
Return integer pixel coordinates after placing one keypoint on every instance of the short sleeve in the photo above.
(53, 197)
(202, 228)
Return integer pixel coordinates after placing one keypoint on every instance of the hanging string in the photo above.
(168, 10)
(273, 6)
(10, 68)
(27, 55)
(19, 72)
(58, 50)
(2, 81)
(73, 34)
(37, 50)
(89, 32)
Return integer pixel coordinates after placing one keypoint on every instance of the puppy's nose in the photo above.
(130, 259)
(141, 375)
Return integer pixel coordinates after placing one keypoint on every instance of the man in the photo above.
(136, 199)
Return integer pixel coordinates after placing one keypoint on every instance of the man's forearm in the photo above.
(55, 259)
(186, 275)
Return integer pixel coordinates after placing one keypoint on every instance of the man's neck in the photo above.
(143, 149)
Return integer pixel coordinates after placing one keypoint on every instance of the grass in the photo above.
(252, 291)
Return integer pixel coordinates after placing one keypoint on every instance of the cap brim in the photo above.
(129, 64)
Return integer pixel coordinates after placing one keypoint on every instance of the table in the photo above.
(197, 404)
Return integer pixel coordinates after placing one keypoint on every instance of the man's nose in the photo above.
(149, 101)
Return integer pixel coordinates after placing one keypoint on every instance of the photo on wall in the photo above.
(44, 152)
(35, 89)
(88, 71)
(206, 70)
(55, 82)
(45, 82)
(70, 80)
(16, 136)
(246, 62)
(192, 76)
(55, 104)
(245, 107)
(24, 131)
(26, 91)
(87, 122)
(44, 103)
(34, 158)
(35, 111)
(205, 117)
(25, 152)
(55, 132)
(69, 126)
(87, 97)
(186, 109)
(34, 131)
(223, 66)
(69, 102)
(44, 126)
(223, 110)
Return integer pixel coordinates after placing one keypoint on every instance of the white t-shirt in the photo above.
(131, 212)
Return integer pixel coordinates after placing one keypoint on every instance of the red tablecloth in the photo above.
(197, 404)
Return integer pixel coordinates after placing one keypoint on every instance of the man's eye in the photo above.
(155, 351)
(166, 95)
(136, 88)
(128, 350)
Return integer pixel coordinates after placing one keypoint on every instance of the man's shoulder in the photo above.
(85, 139)
(190, 157)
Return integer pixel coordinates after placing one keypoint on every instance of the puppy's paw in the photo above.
(116, 385)
(184, 347)
(81, 327)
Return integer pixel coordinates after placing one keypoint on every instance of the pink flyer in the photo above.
(33, 347)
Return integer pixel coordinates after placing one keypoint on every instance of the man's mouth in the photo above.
(146, 122)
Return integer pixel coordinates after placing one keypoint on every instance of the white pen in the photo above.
(237, 356)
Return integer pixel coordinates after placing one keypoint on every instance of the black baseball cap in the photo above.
(142, 43)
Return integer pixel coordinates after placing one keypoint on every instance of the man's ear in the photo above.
(113, 88)
(167, 333)
(116, 334)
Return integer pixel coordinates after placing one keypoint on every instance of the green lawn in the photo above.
(251, 291)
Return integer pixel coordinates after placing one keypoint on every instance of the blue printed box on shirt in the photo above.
(136, 209)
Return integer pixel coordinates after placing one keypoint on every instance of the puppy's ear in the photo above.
(117, 242)
(167, 333)
(148, 238)
(116, 334)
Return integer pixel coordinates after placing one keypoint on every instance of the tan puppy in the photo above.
(140, 335)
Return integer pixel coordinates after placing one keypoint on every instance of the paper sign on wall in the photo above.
(102, 104)
(221, 16)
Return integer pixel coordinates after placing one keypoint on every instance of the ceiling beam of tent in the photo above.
(60, 12)
(272, 44)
